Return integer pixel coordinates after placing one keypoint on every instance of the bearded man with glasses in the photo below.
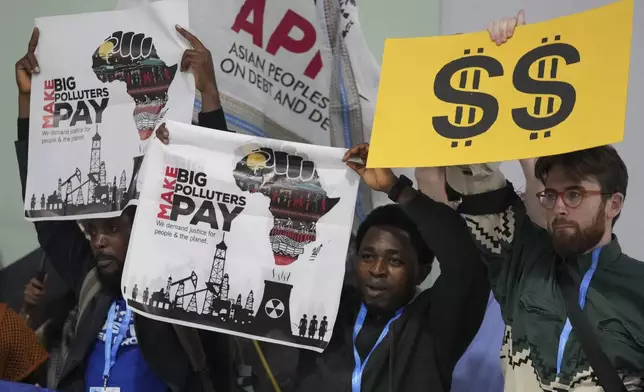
(572, 301)
(581, 198)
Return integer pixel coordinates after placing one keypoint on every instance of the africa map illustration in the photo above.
(297, 199)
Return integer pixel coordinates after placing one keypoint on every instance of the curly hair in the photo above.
(394, 216)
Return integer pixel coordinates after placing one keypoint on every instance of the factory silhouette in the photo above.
(80, 194)
(221, 309)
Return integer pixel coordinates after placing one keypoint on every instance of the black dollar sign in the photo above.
(526, 84)
(475, 99)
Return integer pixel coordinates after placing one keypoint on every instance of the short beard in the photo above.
(110, 283)
(581, 241)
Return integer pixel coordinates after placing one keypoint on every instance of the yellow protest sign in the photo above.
(554, 87)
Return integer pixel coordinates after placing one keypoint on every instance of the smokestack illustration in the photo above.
(273, 317)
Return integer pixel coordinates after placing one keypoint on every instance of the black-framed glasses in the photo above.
(572, 198)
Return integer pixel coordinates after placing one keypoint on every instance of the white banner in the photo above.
(297, 70)
(107, 79)
(241, 235)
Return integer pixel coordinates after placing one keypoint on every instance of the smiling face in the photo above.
(388, 269)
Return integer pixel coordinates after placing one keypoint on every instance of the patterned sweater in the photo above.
(521, 264)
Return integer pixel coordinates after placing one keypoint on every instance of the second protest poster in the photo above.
(242, 235)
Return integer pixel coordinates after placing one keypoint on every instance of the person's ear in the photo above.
(614, 205)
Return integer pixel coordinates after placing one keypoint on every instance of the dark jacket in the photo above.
(422, 347)
(69, 252)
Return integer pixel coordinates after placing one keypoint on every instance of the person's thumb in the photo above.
(521, 18)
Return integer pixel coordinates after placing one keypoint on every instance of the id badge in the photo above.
(104, 389)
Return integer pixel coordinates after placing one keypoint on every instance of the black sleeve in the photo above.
(460, 294)
(214, 120)
(62, 241)
(221, 361)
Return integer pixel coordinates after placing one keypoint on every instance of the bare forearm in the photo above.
(23, 105)
(210, 101)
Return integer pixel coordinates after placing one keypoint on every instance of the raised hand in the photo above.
(163, 134)
(503, 29)
(27, 65)
(199, 61)
(34, 292)
(381, 180)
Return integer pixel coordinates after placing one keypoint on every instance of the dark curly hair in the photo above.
(394, 216)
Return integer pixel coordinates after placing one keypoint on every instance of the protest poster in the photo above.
(242, 235)
(96, 102)
(291, 70)
(554, 87)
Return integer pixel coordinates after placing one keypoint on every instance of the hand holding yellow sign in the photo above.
(554, 87)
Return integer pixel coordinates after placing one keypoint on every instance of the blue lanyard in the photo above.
(583, 291)
(356, 377)
(112, 348)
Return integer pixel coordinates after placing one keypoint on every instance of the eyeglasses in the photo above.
(572, 198)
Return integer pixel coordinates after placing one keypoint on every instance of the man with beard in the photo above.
(114, 349)
(582, 197)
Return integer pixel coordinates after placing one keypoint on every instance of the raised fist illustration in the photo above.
(297, 199)
(132, 58)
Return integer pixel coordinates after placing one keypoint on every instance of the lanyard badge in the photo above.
(356, 377)
(112, 347)
(583, 292)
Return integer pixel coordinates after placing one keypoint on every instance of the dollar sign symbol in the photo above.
(466, 128)
(526, 84)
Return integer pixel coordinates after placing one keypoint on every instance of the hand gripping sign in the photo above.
(462, 99)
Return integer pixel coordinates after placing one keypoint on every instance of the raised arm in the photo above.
(198, 60)
(462, 290)
(499, 223)
(496, 216)
(62, 241)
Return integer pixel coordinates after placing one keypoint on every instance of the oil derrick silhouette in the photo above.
(181, 283)
(273, 317)
(225, 286)
(214, 301)
(250, 301)
(79, 197)
(98, 189)
(119, 194)
(94, 166)
(69, 190)
(122, 181)
(167, 289)
(70, 197)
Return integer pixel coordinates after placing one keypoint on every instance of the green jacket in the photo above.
(522, 270)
